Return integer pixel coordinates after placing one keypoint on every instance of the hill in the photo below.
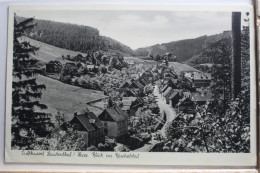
(66, 98)
(74, 37)
(183, 49)
(48, 52)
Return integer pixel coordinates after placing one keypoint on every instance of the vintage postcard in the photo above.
(131, 84)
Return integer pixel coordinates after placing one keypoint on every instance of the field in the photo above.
(47, 52)
(176, 66)
(179, 67)
(66, 98)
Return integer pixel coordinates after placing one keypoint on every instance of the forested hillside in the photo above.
(183, 49)
(74, 37)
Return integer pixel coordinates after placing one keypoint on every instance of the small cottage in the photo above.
(186, 105)
(115, 121)
(88, 126)
(53, 67)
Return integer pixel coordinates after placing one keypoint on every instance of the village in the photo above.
(140, 102)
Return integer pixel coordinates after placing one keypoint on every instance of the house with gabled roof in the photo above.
(115, 121)
(127, 102)
(202, 96)
(53, 67)
(174, 98)
(186, 105)
(144, 81)
(174, 83)
(135, 105)
(167, 91)
(126, 84)
(127, 93)
(89, 127)
(168, 94)
(136, 84)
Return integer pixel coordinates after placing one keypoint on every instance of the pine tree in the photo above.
(27, 123)
(220, 53)
(245, 65)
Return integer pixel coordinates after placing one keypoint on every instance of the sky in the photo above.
(138, 29)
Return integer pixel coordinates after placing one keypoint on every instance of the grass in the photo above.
(48, 52)
(176, 66)
(179, 67)
(66, 98)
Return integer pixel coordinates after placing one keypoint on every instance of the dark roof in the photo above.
(137, 102)
(145, 76)
(114, 114)
(85, 121)
(169, 94)
(164, 88)
(174, 94)
(137, 83)
(183, 100)
(119, 111)
(173, 82)
(126, 84)
(143, 81)
(167, 91)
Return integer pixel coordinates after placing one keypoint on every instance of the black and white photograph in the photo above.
(130, 81)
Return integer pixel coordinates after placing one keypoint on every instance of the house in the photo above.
(127, 93)
(89, 127)
(202, 96)
(167, 91)
(90, 67)
(168, 94)
(201, 79)
(137, 86)
(155, 76)
(115, 121)
(53, 67)
(174, 83)
(134, 76)
(135, 105)
(126, 84)
(144, 80)
(186, 105)
(129, 61)
(127, 102)
(70, 68)
(79, 58)
(174, 98)
(149, 75)
(198, 79)
(168, 73)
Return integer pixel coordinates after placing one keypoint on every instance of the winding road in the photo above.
(170, 112)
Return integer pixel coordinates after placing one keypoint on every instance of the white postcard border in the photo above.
(137, 158)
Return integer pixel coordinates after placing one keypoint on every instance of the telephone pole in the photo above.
(236, 55)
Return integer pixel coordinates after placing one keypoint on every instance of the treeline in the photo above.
(74, 37)
(183, 50)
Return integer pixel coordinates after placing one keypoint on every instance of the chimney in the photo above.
(75, 114)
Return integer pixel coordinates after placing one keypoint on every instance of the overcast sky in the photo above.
(142, 28)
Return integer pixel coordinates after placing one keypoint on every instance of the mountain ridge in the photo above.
(183, 49)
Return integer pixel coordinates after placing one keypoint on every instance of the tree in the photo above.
(27, 123)
(220, 53)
